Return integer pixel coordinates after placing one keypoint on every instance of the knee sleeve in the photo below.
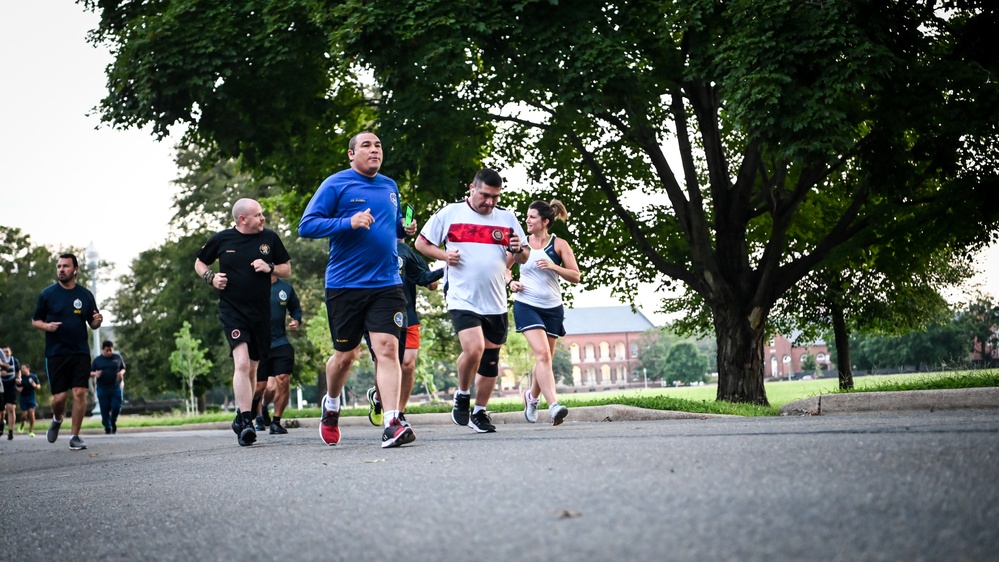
(489, 364)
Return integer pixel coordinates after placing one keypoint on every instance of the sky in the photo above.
(69, 181)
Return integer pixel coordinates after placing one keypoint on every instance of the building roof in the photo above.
(605, 320)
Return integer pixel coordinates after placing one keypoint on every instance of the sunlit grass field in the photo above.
(697, 399)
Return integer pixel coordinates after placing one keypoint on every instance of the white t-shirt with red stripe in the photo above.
(477, 282)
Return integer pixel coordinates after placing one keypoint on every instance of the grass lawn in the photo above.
(698, 399)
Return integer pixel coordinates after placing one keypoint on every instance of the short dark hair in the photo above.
(352, 143)
(68, 256)
(107, 343)
(488, 177)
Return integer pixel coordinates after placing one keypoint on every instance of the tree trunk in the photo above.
(842, 349)
(740, 357)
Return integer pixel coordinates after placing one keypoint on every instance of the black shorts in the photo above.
(494, 326)
(281, 361)
(68, 371)
(9, 392)
(527, 317)
(351, 312)
(255, 334)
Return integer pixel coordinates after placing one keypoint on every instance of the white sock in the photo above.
(332, 403)
(552, 406)
(390, 415)
(478, 409)
(461, 392)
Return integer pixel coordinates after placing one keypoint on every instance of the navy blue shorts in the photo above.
(527, 317)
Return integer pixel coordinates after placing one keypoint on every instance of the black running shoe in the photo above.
(481, 423)
(76, 443)
(397, 434)
(237, 424)
(260, 425)
(247, 436)
(277, 429)
(459, 413)
(53, 433)
(402, 419)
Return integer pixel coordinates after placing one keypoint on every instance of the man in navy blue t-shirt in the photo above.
(63, 312)
(109, 369)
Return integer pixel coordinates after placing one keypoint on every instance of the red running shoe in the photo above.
(329, 426)
(396, 434)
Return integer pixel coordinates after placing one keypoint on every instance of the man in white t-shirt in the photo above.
(477, 237)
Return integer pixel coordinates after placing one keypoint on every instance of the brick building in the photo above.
(783, 357)
(603, 343)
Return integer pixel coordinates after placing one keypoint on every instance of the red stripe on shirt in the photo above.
(479, 234)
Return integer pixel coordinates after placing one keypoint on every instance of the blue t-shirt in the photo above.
(109, 367)
(361, 258)
(74, 308)
(27, 390)
(284, 302)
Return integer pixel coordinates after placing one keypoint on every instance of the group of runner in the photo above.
(370, 284)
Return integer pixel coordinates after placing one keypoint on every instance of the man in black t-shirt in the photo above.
(63, 312)
(109, 369)
(247, 254)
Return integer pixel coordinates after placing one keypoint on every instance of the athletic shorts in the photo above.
(413, 337)
(494, 326)
(255, 334)
(281, 361)
(9, 392)
(28, 403)
(527, 317)
(351, 312)
(68, 371)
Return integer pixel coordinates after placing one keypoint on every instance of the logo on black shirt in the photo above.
(265, 249)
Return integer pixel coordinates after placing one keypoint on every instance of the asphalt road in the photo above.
(900, 486)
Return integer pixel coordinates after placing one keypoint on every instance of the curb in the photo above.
(986, 398)
(608, 413)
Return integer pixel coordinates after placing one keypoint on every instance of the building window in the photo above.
(574, 352)
(634, 350)
(604, 351)
(590, 355)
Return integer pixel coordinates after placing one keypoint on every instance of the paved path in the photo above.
(895, 486)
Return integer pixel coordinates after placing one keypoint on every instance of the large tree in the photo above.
(805, 131)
